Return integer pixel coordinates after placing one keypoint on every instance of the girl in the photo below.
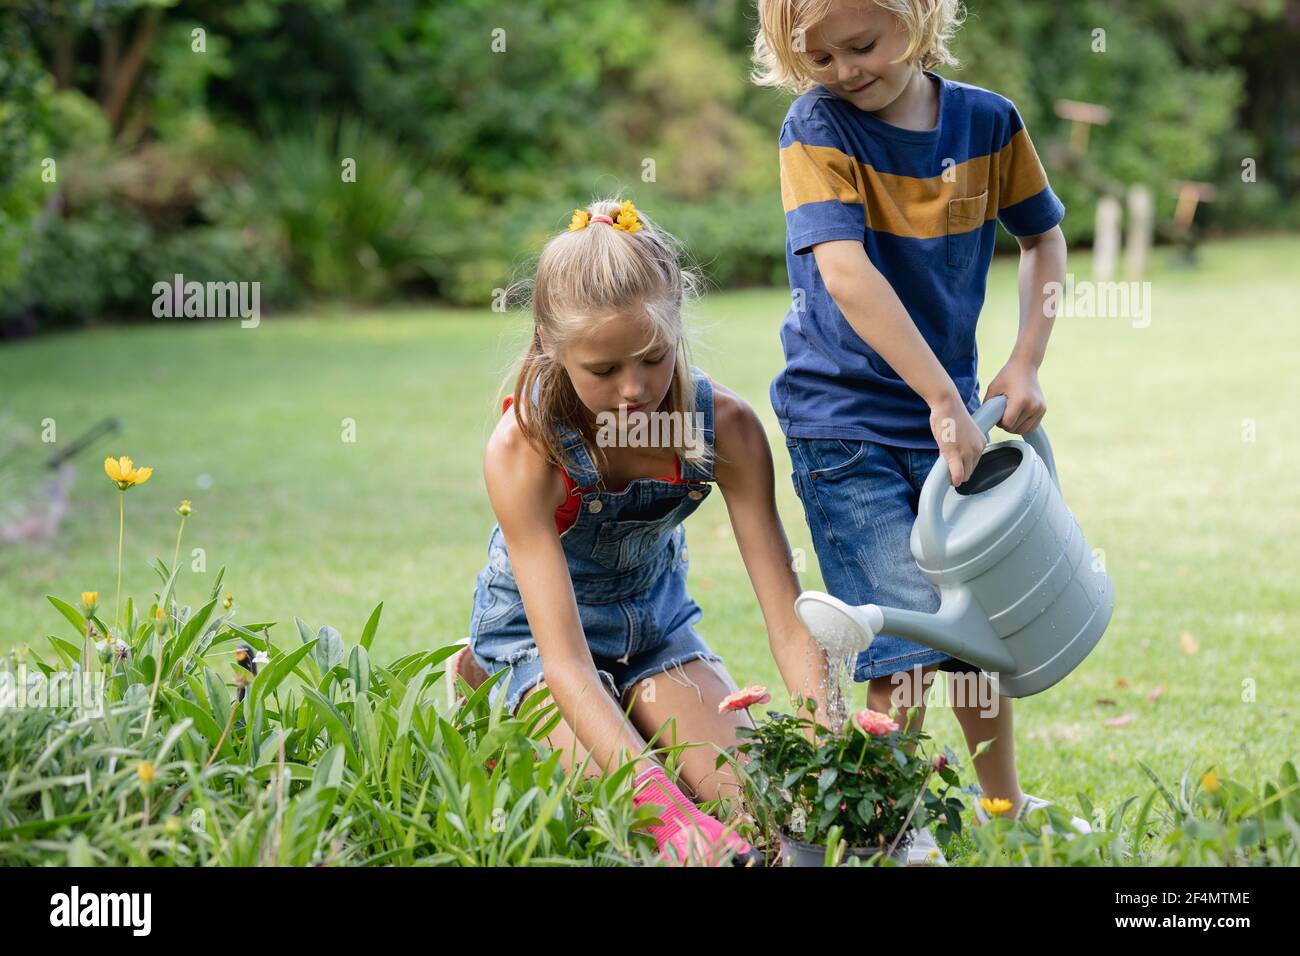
(584, 593)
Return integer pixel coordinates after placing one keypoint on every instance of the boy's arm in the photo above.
(873, 309)
(1042, 261)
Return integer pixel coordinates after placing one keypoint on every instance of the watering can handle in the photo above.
(930, 506)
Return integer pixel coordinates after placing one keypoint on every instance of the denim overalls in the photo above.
(626, 553)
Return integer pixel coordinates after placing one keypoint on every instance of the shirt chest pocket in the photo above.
(965, 227)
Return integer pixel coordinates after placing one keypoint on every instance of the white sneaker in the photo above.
(1031, 804)
(924, 851)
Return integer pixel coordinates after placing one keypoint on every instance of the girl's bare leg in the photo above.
(688, 695)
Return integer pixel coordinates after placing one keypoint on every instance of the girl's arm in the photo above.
(744, 473)
(525, 490)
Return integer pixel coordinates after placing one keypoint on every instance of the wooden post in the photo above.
(1082, 117)
(1105, 243)
(1190, 195)
(1141, 226)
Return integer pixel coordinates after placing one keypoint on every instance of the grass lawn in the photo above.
(1200, 526)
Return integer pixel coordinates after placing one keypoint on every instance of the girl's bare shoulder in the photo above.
(514, 468)
(735, 423)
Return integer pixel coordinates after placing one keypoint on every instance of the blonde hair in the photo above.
(586, 275)
(930, 25)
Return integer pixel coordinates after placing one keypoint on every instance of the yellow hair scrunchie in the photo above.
(626, 221)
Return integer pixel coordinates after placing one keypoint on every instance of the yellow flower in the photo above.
(581, 218)
(124, 473)
(228, 601)
(90, 601)
(185, 508)
(1210, 781)
(627, 219)
(172, 825)
(995, 806)
(144, 770)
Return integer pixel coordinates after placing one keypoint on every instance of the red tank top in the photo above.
(567, 513)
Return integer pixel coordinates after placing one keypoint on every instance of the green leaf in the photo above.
(414, 691)
(177, 649)
(70, 652)
(168, 583)
(208, 727)
(329, 648)
(359, 669)
(342, 733)
(72, 614)
(372, 625)
(275, 672)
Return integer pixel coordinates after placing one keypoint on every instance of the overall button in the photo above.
(594, 505)
(695, 495)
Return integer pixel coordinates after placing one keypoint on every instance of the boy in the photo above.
(893, 180)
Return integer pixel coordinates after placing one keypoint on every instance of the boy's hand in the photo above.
(1018, 381)
(959, 438)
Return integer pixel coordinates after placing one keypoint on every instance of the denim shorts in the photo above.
(860, 499)
(630, 639)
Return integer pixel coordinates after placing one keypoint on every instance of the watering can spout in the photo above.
(959, 628)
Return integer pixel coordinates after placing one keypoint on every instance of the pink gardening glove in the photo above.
(687, 833)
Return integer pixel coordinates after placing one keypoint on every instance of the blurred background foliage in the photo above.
(142, 138)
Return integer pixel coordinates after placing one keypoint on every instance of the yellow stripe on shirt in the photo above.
(919, 208)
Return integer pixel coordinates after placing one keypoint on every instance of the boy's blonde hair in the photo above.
(780, 62)
(582, 276)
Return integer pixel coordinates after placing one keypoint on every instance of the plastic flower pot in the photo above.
(797, 853)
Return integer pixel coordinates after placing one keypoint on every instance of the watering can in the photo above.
(1021, 596)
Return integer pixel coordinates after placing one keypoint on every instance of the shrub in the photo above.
(858, 781)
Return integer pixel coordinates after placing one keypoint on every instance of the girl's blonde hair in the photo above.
(585, 275)
(778, 49)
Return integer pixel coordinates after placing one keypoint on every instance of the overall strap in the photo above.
(701, 469)
(581, 470)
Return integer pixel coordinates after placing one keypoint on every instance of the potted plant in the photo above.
(849, 791)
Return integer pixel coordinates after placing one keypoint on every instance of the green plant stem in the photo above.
(908, 819)
(177, 556)
(153, 693)
(121, 531)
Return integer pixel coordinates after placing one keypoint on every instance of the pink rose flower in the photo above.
(939, 762)
(875, 723)
(754, 694)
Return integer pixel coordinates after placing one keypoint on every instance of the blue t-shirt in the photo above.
(925, 204)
